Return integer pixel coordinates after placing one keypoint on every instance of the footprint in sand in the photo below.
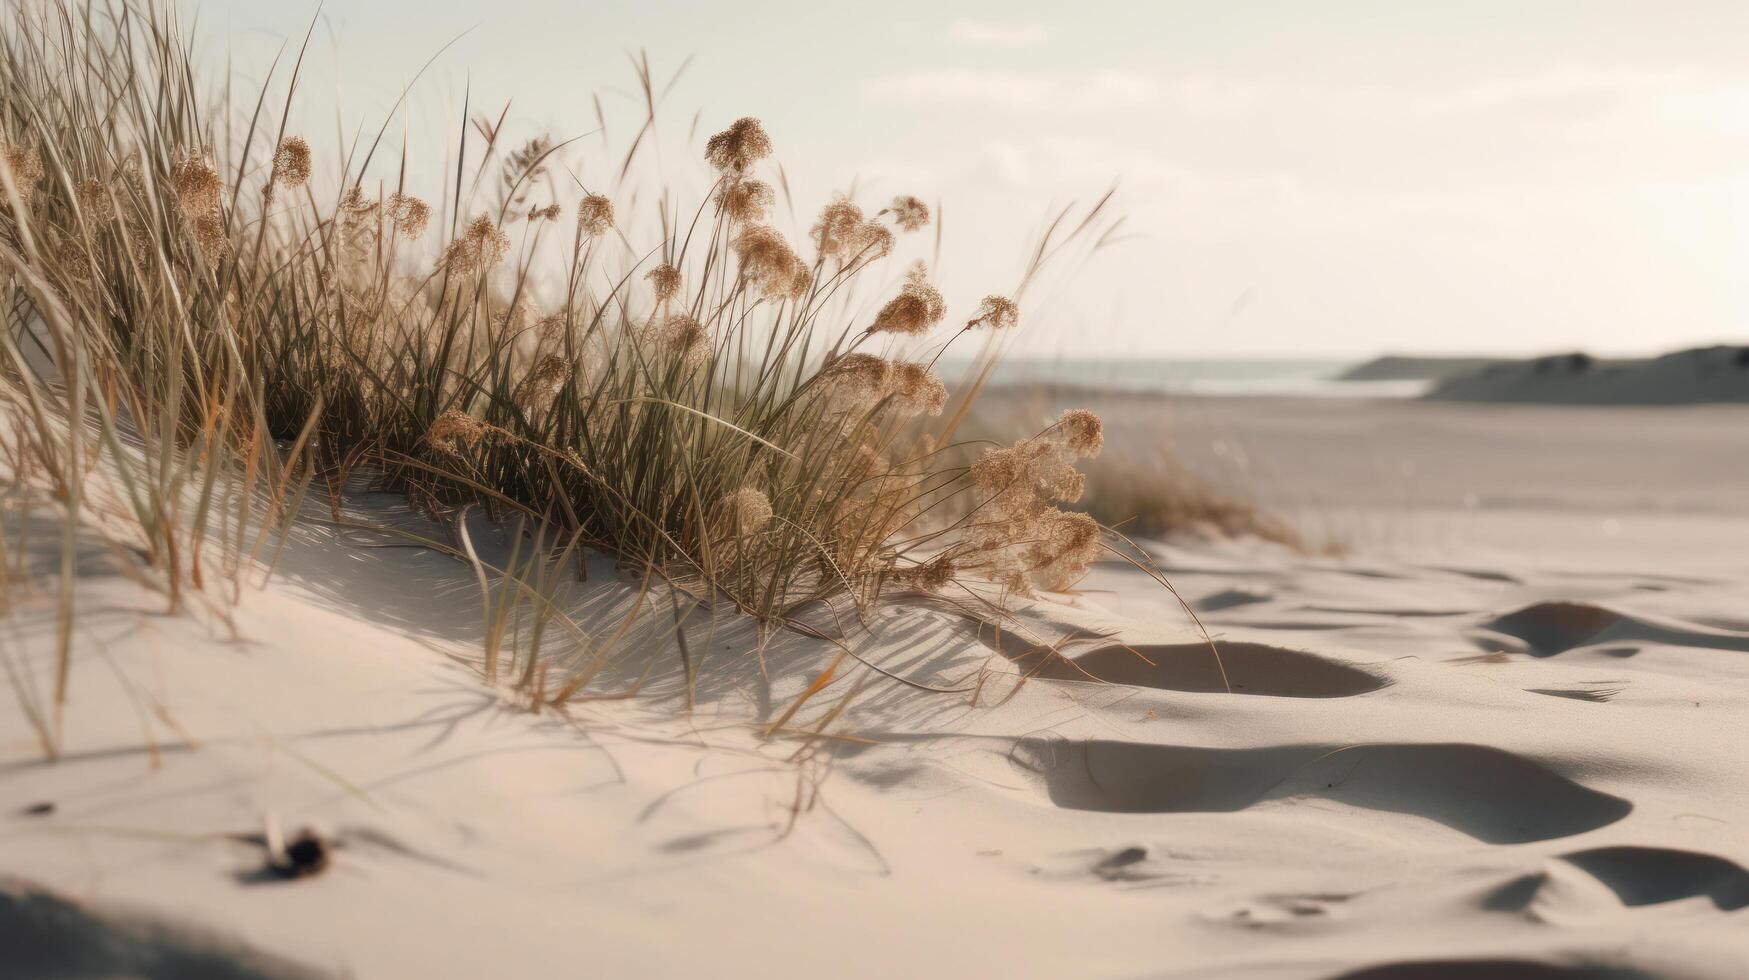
(1490, 969)
(1242, 668)
(1128, 864)
(1594, 695)
(1489, 794)
(1549, 628)
(1479, 574)
(1654, 875)
(1295, 912)
(1229, 599)
(1587, 880)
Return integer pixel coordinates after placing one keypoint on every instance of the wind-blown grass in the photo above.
(749, 414)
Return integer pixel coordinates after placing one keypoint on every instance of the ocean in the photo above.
(1303, 378)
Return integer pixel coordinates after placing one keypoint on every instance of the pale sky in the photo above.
(1324, 179)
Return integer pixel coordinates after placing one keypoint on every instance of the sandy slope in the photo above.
(1517, 743)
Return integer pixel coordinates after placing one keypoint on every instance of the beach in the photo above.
(681, 491)
(1491, 727)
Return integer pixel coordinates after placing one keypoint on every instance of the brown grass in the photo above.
(1153, 495)
(609, 362)
(1137, 486)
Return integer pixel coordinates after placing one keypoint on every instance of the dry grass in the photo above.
(204, 307)
(1138, 486)
(1152, 495)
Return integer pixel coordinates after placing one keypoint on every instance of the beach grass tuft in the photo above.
(217, 316)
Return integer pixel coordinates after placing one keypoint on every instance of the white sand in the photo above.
(1509, 726)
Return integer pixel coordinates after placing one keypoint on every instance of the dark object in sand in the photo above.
(307, 854)
(42, 809)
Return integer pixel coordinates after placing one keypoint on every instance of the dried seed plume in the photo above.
(291, 163)
(736, 149)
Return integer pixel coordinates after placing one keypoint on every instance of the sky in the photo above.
(1328, 179)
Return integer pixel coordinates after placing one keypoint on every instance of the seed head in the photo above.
(595, 215)
(454, 430)
(138, 243)
(353, 202)
(746, 511)
(918, 306)
(769, 262)
(197, 186)
(664, 282)
(209, 234)
(1000, 474)
(291, 162)
(1018, 482)
(839, 227)
(908, 212)
(931, 576)
(513, 316)
(1066, 544)
(913, 387)
(997, 313)
(683, 335)
(737, 148)
(71, 258)
(1073, 532)
(23, 163)
(745, 199)
(409, 214)
(549, 328)
(360, 223)
(1081, 432)
(480, 247)
(543, 384)
(862, 379)
(856, 378)
(843, 234)
(95, 202)
(548, 213)
(874, 241)
(1064, 484)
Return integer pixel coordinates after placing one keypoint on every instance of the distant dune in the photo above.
(1398, 367)
(1706, 374)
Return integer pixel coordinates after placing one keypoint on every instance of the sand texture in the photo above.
(1502, 735)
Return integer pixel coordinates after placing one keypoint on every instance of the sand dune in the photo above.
(1439, 757)
(1398, 367)
(1703, 374)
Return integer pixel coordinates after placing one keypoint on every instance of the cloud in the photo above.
(1057, 162)
(1196, 95)
(1572, 99)
(1015, 91)
(1568, 90)
(1604, 100)
(980, 34)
